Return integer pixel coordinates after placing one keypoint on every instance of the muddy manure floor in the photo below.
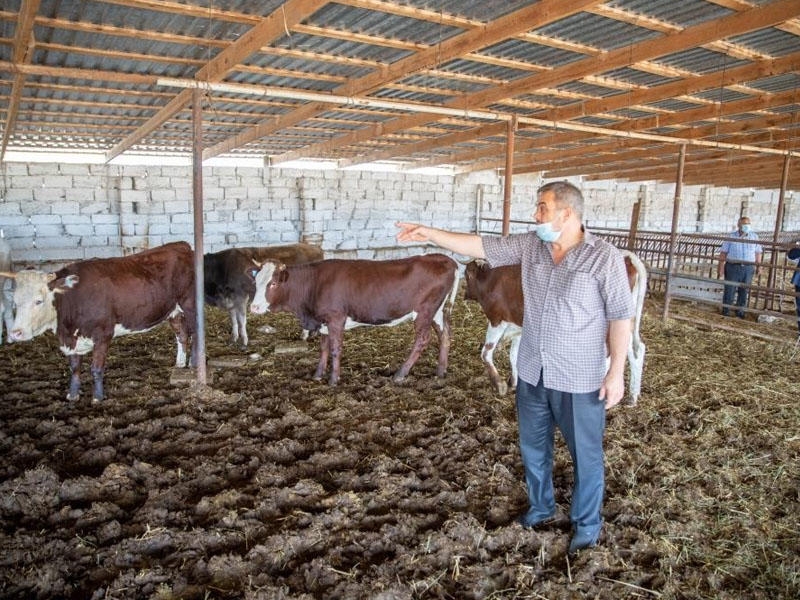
(271, 485)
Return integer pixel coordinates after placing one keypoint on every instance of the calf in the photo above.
(229, 280)
(89, 302)
(331, 296)
(499, 292)
(6, 297)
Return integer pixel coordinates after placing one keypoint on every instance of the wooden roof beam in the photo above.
(22, 53)
(753, 19)
(707, 113)
(752, 72)
(530, 17)
(267, 30)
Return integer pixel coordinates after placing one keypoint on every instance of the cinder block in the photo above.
(162, 195)
(75, 169)
(175, 206)
(138, 196)
(107, 230)
(94, 241)
(54, 196)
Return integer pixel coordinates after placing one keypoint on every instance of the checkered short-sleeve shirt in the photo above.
(567, 307)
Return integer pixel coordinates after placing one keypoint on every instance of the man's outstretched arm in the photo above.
(468, 244)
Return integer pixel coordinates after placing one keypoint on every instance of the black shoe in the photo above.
(581, 542)
(528, 523)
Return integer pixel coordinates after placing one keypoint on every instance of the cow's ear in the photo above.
(61, 285)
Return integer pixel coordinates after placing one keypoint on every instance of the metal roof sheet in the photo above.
(92, 74)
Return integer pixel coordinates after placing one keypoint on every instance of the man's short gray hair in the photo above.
(565, 194)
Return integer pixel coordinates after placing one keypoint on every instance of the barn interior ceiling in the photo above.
(599, 89)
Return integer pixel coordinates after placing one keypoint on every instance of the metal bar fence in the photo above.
(694, 277)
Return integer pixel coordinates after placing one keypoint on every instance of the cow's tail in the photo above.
(637, 348)
(454, 290)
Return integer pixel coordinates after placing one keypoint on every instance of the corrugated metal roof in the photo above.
(84, 74)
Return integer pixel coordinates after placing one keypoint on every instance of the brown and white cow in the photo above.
(333, 295)
(87, 303)
(499, 292)
(229, 277)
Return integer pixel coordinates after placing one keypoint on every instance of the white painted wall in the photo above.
(53, 213)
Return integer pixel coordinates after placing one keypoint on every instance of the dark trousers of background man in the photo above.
(797, 304)
(737, 273)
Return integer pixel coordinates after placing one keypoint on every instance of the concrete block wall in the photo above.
(56, 213)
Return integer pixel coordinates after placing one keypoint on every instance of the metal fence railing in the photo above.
(692, 276)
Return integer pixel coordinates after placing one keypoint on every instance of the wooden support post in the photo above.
(773, 263)
(197, 208)
(634, 229)
(509, 172)
(676, 207)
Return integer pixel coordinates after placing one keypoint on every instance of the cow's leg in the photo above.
(636, 352)
(75, 377)
(324, 351)
(99, 367)
(7, 300)
(422, 328)
(234, 325)
(335, 341)
(241, 319)
(494, 333)
(187, 330)
(178, 323)
(513, 352)
(443, 334)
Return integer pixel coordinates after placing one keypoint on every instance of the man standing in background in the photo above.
(739, 261)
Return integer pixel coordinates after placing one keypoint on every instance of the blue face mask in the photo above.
(546, 233)
(746, 228)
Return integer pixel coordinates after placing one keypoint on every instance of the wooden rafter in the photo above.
(268, 29)
(22, 53)
(755, 18)
(521, 20)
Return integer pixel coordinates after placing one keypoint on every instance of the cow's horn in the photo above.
(9, 275)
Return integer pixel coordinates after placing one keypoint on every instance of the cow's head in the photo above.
(269, 271)
(34, 298)
(473, 274)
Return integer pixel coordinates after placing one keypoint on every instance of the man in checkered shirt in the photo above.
(576, 291)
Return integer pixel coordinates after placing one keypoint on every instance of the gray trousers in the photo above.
(581, 419)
